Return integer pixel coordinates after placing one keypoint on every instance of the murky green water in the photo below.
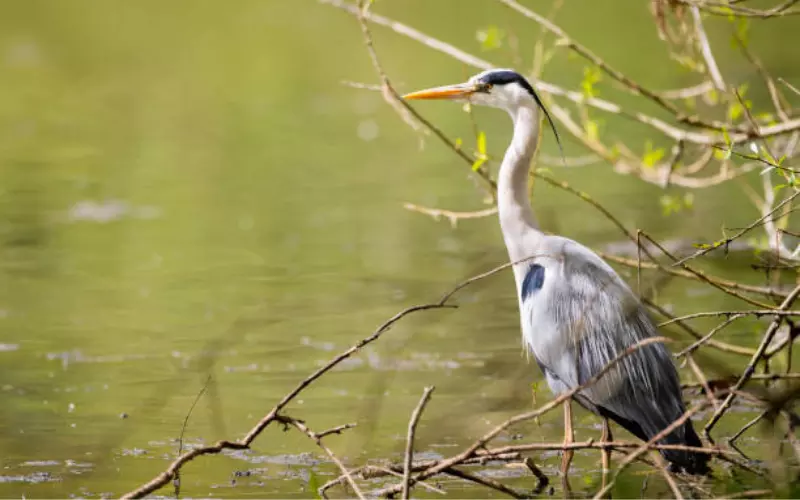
(187, 189)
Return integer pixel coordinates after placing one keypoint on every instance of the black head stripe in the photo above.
(504, 76)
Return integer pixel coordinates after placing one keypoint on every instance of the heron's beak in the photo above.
(460, 90)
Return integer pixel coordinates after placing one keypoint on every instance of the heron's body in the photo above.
(576, 313)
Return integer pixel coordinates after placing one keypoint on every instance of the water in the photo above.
(188, 190)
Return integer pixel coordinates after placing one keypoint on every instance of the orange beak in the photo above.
(460, 90)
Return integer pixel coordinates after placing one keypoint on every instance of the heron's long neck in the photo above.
(520, 231)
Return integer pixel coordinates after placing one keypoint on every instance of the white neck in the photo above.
(520, 231)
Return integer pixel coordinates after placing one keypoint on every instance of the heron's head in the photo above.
(497, 88)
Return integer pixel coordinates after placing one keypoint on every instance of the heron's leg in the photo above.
(606, 437)
(569, 438)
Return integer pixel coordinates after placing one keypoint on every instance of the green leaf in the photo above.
(491, 37)
(734, 111)
(591, 76)
(742, 29)
(481, 151)
(652, 156)
(314, 483)
(722, 154)
(673, 205)
(742, 89)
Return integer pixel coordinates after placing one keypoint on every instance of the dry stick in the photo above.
(732, 440)
(177, 481)
(789, 85)
(766, 291)
(536, 471)
(770, 377)
(757, 313)
(791, 434)
(775, 95)
(485, 481)
(706, 337)
(716, 344)
(592, 444)
(512, 453)
(317, 438)
(471, 450)
(618, 446)
(375, 471)
(702, 275)
(412, 428)
(705, 49)
(703, 380)
(750, 369)
(390, 472)
(662, 467)
(687, 92)
(335, 430)
(772, 351)
(452, 216)
(738, 235)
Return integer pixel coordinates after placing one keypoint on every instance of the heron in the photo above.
(577, 314)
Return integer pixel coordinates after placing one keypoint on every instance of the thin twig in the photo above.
(705, 49)
(536, 471)
(412, 428)
(750, 369)
(739, 234)
(732, 440)
(177, 480)
(485, 481)
(733, 285)
(716, 344)
(707, 336)
(301, 426)
(453, 217)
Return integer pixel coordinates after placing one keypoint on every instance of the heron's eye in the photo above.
(485, 87)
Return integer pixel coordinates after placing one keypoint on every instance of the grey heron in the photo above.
(577, 313)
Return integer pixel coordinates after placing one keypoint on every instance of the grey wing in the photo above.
(600, 318)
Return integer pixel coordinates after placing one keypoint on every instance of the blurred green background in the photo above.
(187, 188)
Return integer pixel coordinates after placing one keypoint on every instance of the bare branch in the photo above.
(750, 369)
(412, 427)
